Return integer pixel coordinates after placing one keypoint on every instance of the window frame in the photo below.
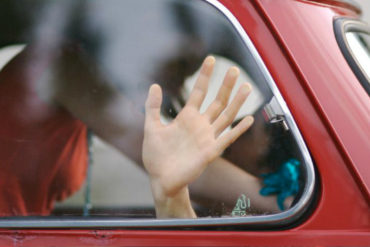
(284, 218)
(341, 27)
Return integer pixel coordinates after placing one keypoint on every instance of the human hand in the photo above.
(175, 155)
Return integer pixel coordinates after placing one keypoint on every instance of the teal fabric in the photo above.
(284, 182)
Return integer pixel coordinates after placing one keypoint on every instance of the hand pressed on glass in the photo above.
(176, 154)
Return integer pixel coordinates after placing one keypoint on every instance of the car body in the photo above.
(297, 43)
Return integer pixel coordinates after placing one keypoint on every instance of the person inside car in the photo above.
(47, 125)
(55, 89)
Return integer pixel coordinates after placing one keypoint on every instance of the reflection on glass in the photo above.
(359, 44)
(71, 66)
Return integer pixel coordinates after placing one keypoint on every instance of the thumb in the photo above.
(153, 104)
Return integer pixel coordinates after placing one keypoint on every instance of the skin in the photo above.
(175, 155)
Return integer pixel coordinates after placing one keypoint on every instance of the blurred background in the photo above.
(365, 5)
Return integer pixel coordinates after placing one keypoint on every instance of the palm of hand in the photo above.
(176, 154)
(179, 152)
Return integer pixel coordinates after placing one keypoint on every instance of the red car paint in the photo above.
(296, 41)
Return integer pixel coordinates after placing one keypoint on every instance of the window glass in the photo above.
(74, 78)
(359, 45)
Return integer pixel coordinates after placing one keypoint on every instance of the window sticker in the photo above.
(242, 205)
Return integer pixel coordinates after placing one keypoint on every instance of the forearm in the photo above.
(224, 182)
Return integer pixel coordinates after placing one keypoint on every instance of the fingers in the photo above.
(225, 140)
(153, 105)
(201, 86)
(228, 116)
(222, 98)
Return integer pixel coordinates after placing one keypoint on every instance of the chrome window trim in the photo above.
(268, 221)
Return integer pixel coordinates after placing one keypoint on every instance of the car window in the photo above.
(353, 39)
(359, 45)
(74, 77)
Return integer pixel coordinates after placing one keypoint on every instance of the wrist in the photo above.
(176, 205)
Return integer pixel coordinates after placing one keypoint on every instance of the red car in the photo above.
(309, 63)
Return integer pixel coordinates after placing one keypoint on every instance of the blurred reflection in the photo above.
(90, 64)
(359, 45)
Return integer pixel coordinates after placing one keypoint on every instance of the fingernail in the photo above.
(210, 60)
(154, 87)
(250, 119)
(246, 88)
(234, 71)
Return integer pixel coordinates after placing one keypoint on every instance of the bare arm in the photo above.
(230, 182)
(80, 88)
